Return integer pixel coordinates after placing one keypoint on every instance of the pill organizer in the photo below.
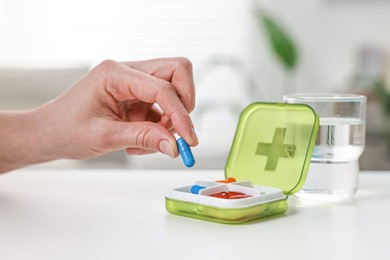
(269, 159)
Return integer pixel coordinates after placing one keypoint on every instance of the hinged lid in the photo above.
(273, 145)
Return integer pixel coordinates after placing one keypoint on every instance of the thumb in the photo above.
(146, 137)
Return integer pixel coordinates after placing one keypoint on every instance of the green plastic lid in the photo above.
(273, 145)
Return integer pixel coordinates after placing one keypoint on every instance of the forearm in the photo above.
(23, 140)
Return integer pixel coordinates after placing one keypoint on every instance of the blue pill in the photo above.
(196, 188)
(185, 152)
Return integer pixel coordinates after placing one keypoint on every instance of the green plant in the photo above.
(281, 43)
(383, 96)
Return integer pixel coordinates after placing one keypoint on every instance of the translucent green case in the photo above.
(180, 201)
(269, 158)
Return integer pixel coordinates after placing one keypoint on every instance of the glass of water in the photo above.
(334, 169)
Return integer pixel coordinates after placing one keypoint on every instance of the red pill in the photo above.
(235, 193)
(221, 195)
(230, 195)
(239, 197)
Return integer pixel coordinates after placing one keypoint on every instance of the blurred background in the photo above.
(242, 51)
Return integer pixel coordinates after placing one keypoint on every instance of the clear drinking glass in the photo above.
(334, 169)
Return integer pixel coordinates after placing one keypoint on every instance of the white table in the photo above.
(90, 214)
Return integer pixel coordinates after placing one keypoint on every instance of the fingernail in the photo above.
(194, 136)
(166, 148)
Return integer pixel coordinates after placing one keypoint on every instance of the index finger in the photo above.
(178, 71)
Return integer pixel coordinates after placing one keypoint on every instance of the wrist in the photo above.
(23, 139)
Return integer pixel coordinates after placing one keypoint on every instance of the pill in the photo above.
(221, 195)
(230, 195)
(239, 197)
(235, 193)
(229, 180)
(196, 188)
(185, 151)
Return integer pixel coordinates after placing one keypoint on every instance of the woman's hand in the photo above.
(117, 105)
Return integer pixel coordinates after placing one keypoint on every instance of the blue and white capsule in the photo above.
(185, 151)
(195, 189)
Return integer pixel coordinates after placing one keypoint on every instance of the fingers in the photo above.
(177, 71)
(125, 83)
(140, 138)
(139, 111)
